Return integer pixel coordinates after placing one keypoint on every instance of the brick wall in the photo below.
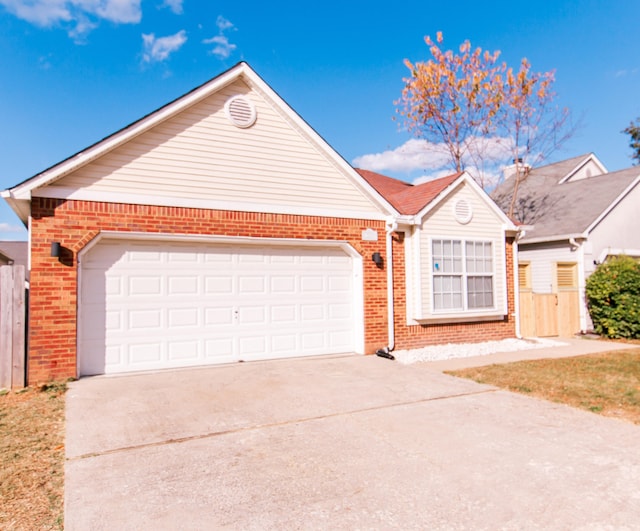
(54, 297)
(416, 336)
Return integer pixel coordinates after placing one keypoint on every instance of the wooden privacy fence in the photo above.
(13, 319)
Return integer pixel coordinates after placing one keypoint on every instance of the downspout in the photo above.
(516, 287)
(392, 226)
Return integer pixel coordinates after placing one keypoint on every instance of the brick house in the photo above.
(222, 227)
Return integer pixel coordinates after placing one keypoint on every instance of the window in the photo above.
(462, 274)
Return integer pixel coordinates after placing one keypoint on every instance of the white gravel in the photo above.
(467, 350)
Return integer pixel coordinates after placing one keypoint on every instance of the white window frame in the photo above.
(464, 275)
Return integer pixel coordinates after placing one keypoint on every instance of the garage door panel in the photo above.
(155, 305)
(145, 285)
(146, 320)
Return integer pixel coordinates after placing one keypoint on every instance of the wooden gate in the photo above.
(550, 314)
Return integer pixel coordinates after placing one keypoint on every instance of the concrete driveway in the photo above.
(339, 443)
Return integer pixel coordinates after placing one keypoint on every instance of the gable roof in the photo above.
(19, 196)
(560, 208)
(408, 199)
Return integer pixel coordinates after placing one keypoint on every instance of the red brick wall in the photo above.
(416, 336)
(53, 295)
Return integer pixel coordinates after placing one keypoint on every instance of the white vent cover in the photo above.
(240, 111)
(462, 211)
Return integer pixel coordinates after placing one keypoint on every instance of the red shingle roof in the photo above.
(404, 197)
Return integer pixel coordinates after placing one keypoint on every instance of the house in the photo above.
(222, 227)
(12, 252)
(577, 214)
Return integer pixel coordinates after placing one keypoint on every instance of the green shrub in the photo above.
(613, 296)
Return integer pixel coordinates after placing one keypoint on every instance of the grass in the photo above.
(32, 457)
(606, 383)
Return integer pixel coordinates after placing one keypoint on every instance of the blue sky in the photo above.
(73, 72)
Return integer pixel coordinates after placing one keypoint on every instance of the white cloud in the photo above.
(82, 15)
(223, 24)
(9, 229)
(483, 159)
(158, 49)
(411, 156)
(223, 48)
(174, 5)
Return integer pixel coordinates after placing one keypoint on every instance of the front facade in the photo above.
(222, 228)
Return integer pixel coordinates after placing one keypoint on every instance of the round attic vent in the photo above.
(240, 111)
(462, 211)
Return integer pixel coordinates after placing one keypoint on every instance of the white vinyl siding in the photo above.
(484, 228)
(200, 155)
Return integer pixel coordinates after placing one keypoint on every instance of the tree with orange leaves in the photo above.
(482, 112)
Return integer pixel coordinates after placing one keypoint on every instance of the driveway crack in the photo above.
(178, 440)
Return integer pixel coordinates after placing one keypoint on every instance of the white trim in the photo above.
(590, 157)
(461, 318)
(465, 311)
(358, 276)
(559, 238)
(208, 204)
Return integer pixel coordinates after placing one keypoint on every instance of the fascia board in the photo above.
(556, 238)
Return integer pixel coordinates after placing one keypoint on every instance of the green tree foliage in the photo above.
(613, 296)
(634, 142)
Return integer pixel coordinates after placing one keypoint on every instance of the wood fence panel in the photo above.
(568, 312)
(6, 332)
(18, 356)
(12, 326)
(546, 308)
(527, 314)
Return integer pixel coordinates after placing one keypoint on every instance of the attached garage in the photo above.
(146, 305)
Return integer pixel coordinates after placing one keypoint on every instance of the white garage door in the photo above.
(153, 305)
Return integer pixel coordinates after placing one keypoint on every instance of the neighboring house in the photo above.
(15, 253)
(12, 252)
(221, 228)
(576, 215)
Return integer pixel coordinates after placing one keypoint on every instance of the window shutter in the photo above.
(566, 276)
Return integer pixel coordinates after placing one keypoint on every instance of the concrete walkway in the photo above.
(339, 443)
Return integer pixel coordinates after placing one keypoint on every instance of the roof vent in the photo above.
(240, 111)
(462, 211)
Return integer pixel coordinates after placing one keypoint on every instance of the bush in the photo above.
(613, 296)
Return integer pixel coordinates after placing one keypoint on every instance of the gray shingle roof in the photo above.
(569, 208)
(17, 251)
